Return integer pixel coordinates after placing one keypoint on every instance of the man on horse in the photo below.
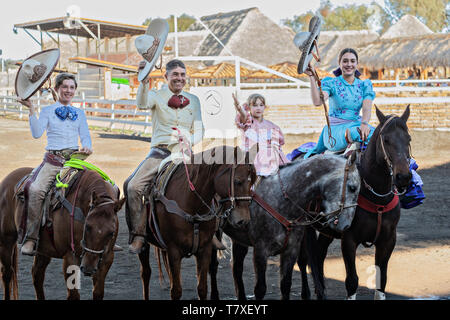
(171, 108)
(64, 124)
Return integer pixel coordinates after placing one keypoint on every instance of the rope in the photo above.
(81, 164)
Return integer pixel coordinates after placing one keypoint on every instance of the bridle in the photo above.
(393, 189)
(232, 198)
(83, 241)
(315, 216)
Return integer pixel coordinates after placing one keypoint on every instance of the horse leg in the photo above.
(146, 270)
(175, 273)
(287, 262)
(38, 274)
(238, 255)
(383, 251)
(302, 262)
(203, 260)
(8, 269)
(348, 248)
(317, 261)
(98, 279)
(72, 291)
(260, 265)
(213, 266)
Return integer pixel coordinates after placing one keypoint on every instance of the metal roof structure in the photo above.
(82, 27)
(105, 64)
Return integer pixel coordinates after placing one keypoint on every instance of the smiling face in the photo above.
(66, 91)
(257, 109)
(176, 79)
(348, 64)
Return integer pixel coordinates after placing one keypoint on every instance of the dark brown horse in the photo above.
(92, 237)
(384, 171)
(188, 229)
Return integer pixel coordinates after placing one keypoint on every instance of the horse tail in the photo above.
(15, 267)
(158, 253)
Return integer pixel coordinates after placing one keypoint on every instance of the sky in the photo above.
(20, 46)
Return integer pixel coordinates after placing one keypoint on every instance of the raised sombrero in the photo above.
(34, 71)
(151, 44)
(305, 41)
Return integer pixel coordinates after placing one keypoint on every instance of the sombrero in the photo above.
(151, 44)
(34, 71)
(305, 40)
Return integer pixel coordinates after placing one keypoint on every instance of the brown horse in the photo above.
(89, 243)
(224, 172)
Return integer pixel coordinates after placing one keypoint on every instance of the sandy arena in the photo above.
(418, 267)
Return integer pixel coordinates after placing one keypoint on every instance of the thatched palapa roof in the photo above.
(424, 51)
(407, 26)
(219, 71)
(249, 34)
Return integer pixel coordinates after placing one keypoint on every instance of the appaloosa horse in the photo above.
(86, 238)
(384, 170)
(185, 218)
(279, 214)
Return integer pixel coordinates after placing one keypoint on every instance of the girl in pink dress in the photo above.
(255, 129)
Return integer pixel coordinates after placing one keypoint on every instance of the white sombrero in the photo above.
(151, 44)
(34, 71)
(305, 40)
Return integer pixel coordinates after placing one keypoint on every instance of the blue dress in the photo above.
(345, 103)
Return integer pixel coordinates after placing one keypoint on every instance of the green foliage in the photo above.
(432, 13)
(183, 22)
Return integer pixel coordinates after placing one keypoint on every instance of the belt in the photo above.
(65, 153)
(162, 146)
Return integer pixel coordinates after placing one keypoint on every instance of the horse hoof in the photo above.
(352, 297)
(379, 295)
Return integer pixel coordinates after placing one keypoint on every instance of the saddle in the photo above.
(54, 199)
(155, 189)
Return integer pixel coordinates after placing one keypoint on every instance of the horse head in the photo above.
(100, 231)
(393, 147)
(233, 185)
(339, 194)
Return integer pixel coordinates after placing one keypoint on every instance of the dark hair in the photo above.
(64, 76)
(172, 64)
(338, 71)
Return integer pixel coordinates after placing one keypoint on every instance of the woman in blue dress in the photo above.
(348, 95)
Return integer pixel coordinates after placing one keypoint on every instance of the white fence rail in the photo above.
(135, 119)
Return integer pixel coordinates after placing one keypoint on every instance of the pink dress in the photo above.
(270, 139)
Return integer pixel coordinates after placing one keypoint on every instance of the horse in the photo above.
(277, 223)
(384, 171)
(187, 221)
(89, 243)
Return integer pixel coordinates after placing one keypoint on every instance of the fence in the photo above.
(291, 108)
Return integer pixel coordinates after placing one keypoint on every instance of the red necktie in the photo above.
(178, 101)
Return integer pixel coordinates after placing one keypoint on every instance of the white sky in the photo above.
(19, 46)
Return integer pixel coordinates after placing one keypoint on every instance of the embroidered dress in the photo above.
(345, 103)
(270, 139)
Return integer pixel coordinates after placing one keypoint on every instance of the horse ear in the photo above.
(93, 198)
(118, 204)
(353, 157)
(405, 114)
(252, 153)
(381, 117)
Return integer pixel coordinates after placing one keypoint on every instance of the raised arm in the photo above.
(315, 93)
(37, 126)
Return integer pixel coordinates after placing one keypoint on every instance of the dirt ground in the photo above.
(418, 267)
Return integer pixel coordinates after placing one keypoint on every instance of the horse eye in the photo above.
(386, 140)
(238, 182)
(352, 188)
(88, 228)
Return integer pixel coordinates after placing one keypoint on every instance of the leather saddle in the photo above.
(54, 199)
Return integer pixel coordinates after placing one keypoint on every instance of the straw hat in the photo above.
(34, 71)
(151, 44)
(305, 40)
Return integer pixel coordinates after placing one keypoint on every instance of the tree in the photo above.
(433, 13)
(183, 22)
(348, 17)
